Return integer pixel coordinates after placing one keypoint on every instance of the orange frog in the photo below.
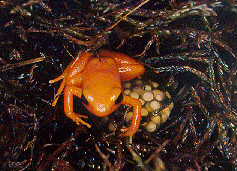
(97, 81)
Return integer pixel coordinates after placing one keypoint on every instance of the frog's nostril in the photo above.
(101, 107)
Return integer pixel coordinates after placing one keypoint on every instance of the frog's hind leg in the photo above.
(129, 68)
(60, 90)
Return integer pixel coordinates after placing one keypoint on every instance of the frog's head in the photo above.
(102, 101)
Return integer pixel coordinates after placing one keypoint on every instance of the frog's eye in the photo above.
(84, 100)
(119, 99)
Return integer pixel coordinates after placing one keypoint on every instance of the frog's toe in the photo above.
(56, 79)
(79, 121)
(55, 101)
(83, 116)
(77, 118)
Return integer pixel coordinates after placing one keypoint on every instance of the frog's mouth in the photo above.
(102, 110)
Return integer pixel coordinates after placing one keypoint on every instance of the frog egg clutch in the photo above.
(152, 100)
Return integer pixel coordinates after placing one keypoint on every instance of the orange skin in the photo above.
(98, 82)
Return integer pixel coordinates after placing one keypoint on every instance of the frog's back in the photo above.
(101, 64)
(101, 70)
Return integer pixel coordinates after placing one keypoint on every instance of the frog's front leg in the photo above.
(68, 105)
(74, 68)
(136, 119)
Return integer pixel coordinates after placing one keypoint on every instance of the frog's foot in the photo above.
(59, 92)
(55, 101)
(77, 118)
